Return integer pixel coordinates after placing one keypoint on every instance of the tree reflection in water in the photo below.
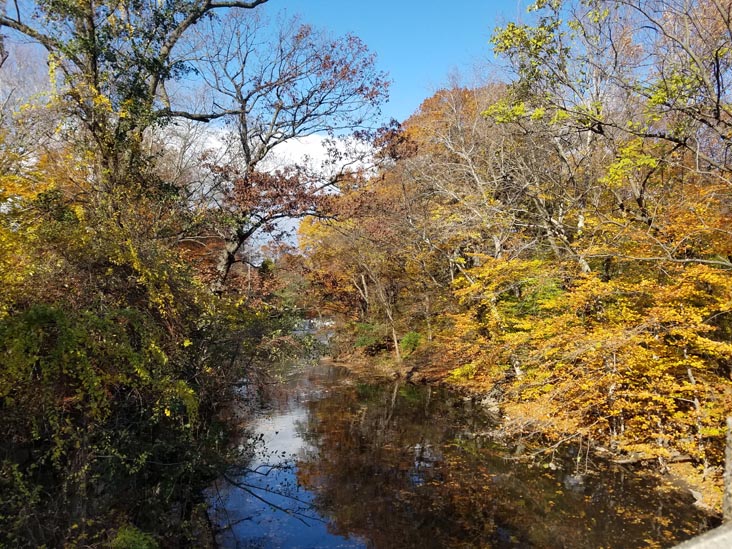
(361, 465)
(409, 472)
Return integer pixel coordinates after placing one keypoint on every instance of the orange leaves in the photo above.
(590, 261)
(634, 361)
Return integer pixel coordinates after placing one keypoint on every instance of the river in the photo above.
(343, 463)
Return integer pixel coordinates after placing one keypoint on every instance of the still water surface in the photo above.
(341, 463)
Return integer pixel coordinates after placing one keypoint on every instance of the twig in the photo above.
(248, 488)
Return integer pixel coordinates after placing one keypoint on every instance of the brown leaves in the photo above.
(274, 195)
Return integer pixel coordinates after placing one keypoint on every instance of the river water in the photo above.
(342, 463)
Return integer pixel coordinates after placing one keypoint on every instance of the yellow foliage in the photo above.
(624, 358)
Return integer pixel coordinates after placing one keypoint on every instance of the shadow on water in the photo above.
(346, 464)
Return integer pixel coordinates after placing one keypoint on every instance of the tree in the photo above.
(274, 83)
(363, 253)
(112, 61)
(626, 73)
(119, 355)
(575, 223)
(639, 198)
(280, 80)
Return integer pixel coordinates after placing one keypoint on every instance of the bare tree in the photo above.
(284, 79)
(273, 81)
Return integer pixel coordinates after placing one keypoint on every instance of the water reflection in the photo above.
(359, 465)
(265, 506)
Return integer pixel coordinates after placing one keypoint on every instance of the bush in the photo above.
(129, 537)
(409, 343)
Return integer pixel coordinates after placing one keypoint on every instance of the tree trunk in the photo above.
(397, 352)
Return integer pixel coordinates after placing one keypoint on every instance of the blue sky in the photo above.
(419, 43)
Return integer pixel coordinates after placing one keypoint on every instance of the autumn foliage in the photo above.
(563, 241)
(132, 300)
